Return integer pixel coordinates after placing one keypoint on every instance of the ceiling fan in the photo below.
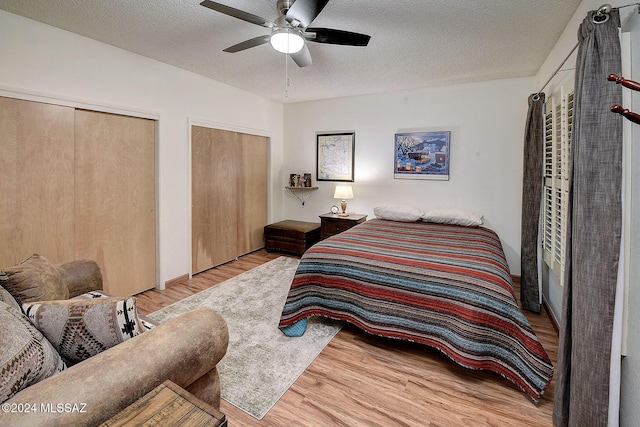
(290, 29)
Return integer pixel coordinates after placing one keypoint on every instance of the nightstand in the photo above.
(332, 224)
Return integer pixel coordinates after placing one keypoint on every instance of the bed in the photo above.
(446, 286)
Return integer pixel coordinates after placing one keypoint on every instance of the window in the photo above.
(557, 142)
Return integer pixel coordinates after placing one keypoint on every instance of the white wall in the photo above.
(487, 124)
(40, 62)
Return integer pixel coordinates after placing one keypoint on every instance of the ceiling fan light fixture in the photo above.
(286, 40)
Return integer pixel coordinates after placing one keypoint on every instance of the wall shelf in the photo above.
(301, 193)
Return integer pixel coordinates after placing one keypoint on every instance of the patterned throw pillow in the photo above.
(146, 321)
(26, 356)
(81, 328)
(34, 279)
(7, 298)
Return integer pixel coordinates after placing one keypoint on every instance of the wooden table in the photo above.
(168, 405)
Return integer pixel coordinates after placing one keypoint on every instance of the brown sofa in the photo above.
(184, 350)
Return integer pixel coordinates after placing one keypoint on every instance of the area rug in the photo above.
(261, 362)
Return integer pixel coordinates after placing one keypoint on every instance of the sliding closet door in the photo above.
(36, 181)
(214, 189)
(115, 198)
(229, 195)
(252, 194)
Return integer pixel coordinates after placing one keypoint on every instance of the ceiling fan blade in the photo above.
(302, 58)
(247, 44)
(327, 35)
(237, 13)
(304, 12)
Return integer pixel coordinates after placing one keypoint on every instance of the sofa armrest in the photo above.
(81, 276)
(182, 350)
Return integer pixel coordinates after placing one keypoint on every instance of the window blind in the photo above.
(557, 144)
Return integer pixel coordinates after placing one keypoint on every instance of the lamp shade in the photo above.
(286, 40)
(343, 192)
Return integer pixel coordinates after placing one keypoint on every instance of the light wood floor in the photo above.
(362, 380)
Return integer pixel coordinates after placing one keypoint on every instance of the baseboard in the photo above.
(176, 280)
(551, 316)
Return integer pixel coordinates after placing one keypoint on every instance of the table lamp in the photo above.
(343, 192)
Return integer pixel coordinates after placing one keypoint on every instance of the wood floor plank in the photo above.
(363, 380)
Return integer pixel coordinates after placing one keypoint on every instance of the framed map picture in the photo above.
(335, 156)
(422, 155)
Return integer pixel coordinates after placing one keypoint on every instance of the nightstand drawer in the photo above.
(332, 227)
(333, 224)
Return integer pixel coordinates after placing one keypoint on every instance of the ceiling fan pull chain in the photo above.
(286, 75)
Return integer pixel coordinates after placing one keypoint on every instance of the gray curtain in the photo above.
(594, 220)
(531, 199)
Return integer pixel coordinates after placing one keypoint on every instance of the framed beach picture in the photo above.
(335, 155)
(422, 155)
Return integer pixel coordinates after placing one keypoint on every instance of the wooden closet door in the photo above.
(115, 198)
(229, 195)
(252, 194)
(215, 160)
(36, 181)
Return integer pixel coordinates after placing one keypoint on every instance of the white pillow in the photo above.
(453, 216)
(398, 213)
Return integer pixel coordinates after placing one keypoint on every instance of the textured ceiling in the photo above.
(414, 43)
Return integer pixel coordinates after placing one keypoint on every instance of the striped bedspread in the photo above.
(445, 286)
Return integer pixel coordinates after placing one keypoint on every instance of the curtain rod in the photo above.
(600, 17)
